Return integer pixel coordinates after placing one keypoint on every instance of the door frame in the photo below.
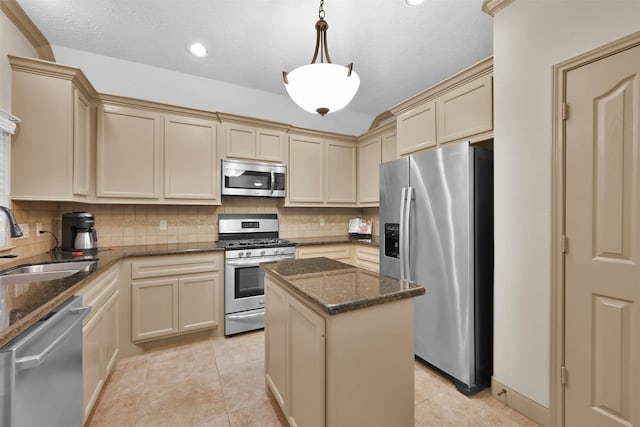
(558, 213)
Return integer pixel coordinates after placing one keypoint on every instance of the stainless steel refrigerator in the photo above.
(436, 226)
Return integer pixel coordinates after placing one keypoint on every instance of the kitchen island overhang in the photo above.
(339, 344)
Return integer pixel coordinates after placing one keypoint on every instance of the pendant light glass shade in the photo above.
(322, 87)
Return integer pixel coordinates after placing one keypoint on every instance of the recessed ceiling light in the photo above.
(198, 49)
(413, 2)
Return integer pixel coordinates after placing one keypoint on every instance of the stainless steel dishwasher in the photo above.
(41, 371)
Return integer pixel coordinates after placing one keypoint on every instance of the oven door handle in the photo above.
(245, 316)
(254, 262)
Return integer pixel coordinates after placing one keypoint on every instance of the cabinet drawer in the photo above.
(337, 252)
(174, 265)
(96, 293)
(367, 257)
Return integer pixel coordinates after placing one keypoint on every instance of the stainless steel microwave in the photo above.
(245, 178)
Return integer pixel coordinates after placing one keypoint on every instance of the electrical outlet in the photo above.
(38, 229)
(25, 231)
(163, 225)
(321, 221)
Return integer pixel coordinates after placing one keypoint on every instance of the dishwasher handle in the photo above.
(75, 315)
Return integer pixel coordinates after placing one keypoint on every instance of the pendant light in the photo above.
(322, 87)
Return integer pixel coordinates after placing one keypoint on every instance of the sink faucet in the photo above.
(13, 224)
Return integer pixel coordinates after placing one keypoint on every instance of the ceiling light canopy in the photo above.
(414, 2)
(198, 49)
(321, 87)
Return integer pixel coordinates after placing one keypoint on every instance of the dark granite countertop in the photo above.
(329, 240)
(21, 305)
(336, 287)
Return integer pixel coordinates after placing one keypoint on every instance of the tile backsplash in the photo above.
(119, 225)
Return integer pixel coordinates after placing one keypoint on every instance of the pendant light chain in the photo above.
(321, 10)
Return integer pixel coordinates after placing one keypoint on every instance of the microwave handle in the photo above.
(273, 181)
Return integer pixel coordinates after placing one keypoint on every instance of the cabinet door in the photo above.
(269, 145)
(154, 309)
(305, 359)
(128, 153)
(81, 143)
(369, 156)
(275, 331)
(240, 141)
(111, 320)
(306, 170)
(197, 307)
(341, 172)
(417, 128)
(389, 146)
(93, 362)
(466, 111)
(42, 149)
(190, 166)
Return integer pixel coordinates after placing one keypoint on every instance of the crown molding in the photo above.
(21, 20)
(492, 7)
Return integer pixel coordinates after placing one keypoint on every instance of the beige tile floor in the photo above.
(220, 383)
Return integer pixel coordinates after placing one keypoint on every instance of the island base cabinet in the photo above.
(349, 369)
(370, 366)
(306, 366)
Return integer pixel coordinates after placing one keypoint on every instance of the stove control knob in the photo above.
(240, 254)
(248, 253)
(262, 253)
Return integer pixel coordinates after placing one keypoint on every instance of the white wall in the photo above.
(530, 36)
(125, 78)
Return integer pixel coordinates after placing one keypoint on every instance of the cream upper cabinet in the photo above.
(375, 147)
(190, 159)
(465, 111)
(369, 157)
(150, 155)
(389, 142)
(322, 172)
(128, 152)
(417, 128)
(54, 138)
(340, 173)
(246, 141)
(459, 108)
(306, 170)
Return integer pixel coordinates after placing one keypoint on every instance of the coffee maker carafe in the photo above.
(79, 232)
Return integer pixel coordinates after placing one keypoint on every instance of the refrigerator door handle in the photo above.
(402, 235)
(407, 231)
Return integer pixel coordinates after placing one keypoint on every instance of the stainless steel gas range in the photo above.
(248, 240)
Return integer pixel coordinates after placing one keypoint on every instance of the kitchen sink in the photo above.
(41, 272)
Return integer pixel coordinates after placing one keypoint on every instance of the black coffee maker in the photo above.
(79, 232)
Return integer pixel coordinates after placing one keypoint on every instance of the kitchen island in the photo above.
(339, 347)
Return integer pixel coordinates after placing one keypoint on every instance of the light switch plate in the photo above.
(163, 225)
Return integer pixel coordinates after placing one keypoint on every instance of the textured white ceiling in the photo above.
(397, 50)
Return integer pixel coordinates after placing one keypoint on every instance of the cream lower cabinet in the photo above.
(367, 257)
(175, 294)
(295, 365)
(348, 369)
(100, 335)
(340, 252)
(362, 256)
